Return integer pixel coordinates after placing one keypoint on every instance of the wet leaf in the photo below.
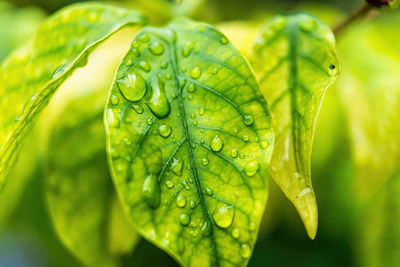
(83, 205)
(295, 61)
(30, 76)
(189, 157)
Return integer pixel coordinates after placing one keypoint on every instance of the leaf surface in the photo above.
(30, 76)
(81, 198)
(295, 62)
(189, 141)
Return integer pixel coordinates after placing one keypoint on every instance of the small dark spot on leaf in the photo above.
(332, 67)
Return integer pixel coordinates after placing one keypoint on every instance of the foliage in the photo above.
(197, 121)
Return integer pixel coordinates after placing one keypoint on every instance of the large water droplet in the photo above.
(245, 251)
(206, 229)
(184, 219)
(195, 73)
(181, 201)
(216, 144)
(151, 191)
(251, 167)
(158, 102)
(223, 217)
(187, 49)
(177, 166)
(164, 130)
(132, 86)
(248, 120)
(157, 48)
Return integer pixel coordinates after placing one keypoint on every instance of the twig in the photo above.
(360, 13)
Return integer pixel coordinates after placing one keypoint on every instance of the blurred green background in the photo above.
(355, 155)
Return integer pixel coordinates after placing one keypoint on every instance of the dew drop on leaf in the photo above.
(251, 167)
(181, 201)
(137, 108)
(170, 184)
(192, 204)
(195, 73)
(223, 217)
(187, 49)
(176, 166)
(245, 251)
(151, 191)
(144, 65)
(201, 111)
(184, 219)
(245, 138)
(216, 144)
(191, 88)
(157, 48)
(206, 229)
(235, 233)
(204, 161)
(224, 40)
(164, 131)
(112, 118)
(114, 100)
(144, 37)
(264, 144)
(158, 102)
(234, 153)
(209, 191)
(248, 120)
(132, 86)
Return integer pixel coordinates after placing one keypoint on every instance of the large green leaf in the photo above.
(30, 76)
(189, 141)
(295, 61)
(370, 91)
(82, 201)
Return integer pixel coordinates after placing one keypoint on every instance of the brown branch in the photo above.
(358, 14)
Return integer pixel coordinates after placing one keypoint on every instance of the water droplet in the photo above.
(191, 88)
(112, 118)
(242, 155)
(170, 184)
(234, 153)
(149, 121)
(183, 69)
(201, 111)
(245, 251)
(184, 219)
(176, 166)
(164, 130)
(194, 232)
(251, 167)
(223, 217)
(144, 37)
(209, 191)
(264, 144)
(224, 40)
(186, 186)
(206, 229)
(308, 24)
(168, 77)
(204, 161)
(235, 130)
(164, 65)
(216, 144)
(114, 100)
(158, 102)
(195, 73)
(193, 116)
(192, 204)
(181, 201)
(248, 120)
(157, 48)
(151, 191)
(235, 233)
(144, 65)
(245, 138)
(132, 86)
(214, 71)
(187, 49)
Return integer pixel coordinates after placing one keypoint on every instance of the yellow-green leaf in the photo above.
(30, 76)
(81, 198)
(189, 140)
(295, 62)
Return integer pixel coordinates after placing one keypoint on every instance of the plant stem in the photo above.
(358, 14)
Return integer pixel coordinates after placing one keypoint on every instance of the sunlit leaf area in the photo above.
(199, 133)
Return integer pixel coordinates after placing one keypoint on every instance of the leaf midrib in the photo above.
(199, 187)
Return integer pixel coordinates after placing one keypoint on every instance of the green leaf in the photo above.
(370, 92)
(189, 141)
(379, 244)
(295, 61)
(81, 198)
(30, 76)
